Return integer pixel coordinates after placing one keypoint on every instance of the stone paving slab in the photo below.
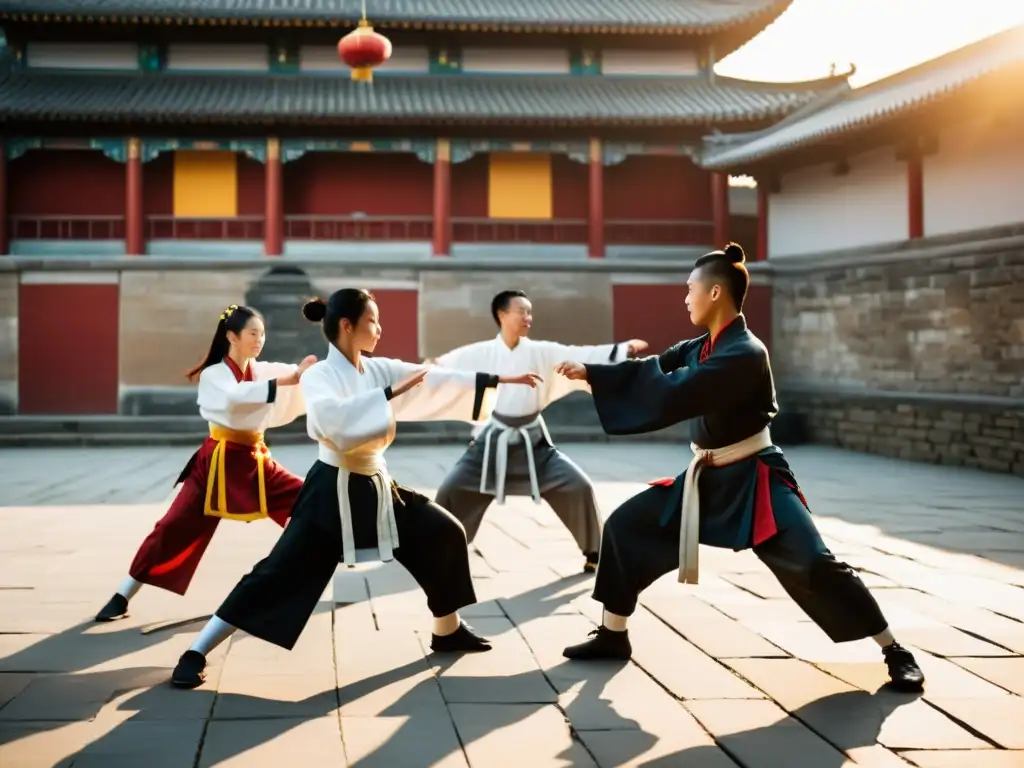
(727, 673)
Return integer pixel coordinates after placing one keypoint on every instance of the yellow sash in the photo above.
(217, 472)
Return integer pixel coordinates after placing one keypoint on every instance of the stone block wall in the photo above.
(916, 353)
(960, 435)
(934, 323)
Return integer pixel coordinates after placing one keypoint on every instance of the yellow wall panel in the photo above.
(205, 184)
(519, 186)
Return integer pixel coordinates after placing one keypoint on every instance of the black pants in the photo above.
(636, 550)
(275, 600)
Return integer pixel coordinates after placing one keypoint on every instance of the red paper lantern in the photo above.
(362, 49)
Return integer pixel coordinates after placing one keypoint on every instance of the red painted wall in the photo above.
(343, 183)
(570, 188)
(399, 317)
(657, 313)
(470, 190)
(66, 182)
(653, 312)
(158, 185)
(55, 377)
(252, 184)
(656, 187)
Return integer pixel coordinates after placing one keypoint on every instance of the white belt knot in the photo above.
(509, 435)
(387, 527)
(689, 523)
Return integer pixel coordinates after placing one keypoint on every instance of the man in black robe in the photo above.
(738, 492)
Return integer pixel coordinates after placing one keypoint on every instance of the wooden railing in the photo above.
(485, 230)
(378, 228)
(366, 228)
(176, 228)
(658, 232)
(66, 227)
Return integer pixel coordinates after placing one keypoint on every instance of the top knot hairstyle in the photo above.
(346, 304)
(728, 267)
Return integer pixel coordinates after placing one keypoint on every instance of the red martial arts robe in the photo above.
(231, 476)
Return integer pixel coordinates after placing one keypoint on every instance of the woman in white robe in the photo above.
(349, 501)
(231, 476)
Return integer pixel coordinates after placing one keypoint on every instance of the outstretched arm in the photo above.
(674, 357)
(637, 398)
(471, 357)
(289, 403)
(555, 353)
(446, 394)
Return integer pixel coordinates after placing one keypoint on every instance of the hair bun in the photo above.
(314, 310)
(734, 252)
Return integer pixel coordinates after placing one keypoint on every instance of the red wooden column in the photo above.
(915, 197)
(273, 216)
(762, 219)
(4, 244)
(134, 226)
(442, 198)
(595, 209)
(720, 208)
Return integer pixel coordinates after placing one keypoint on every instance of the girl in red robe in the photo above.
(231, 476)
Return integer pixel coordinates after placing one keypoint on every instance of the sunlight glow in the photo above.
(879, 36)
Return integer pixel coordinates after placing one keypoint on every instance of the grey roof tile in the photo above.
(691, 15)
(864, 107)
(41, 95)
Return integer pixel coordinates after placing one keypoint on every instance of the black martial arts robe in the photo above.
(726, 385)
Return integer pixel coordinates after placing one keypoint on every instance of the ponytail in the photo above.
(233, 319)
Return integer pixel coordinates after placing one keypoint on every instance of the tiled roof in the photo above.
(834, 115)
(660, 16)
(168, 97)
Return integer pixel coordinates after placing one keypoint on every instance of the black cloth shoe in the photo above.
(904, 674)
(462, 640)
(605, 644)
(590, 566)
(116, 608)
(189, 672)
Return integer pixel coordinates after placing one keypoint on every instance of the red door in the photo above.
(68, 344)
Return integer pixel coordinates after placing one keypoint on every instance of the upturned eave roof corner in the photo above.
(832, 90)
(853, 111)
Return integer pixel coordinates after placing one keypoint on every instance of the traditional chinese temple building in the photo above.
(184, 126)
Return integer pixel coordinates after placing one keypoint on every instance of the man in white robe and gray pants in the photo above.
(512, 451)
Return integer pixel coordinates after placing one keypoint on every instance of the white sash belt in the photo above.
(387, 528)
(689, 524)
(508, 435)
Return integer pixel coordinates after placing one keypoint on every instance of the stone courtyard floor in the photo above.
(726, 673)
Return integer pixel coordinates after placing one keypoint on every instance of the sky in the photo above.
(879, 36)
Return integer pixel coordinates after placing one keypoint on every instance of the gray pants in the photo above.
(561, 482)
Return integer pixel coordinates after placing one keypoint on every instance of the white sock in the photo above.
(446, 625)
(614, 622)
(129, 587)
(213, 634)
(885, 639)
